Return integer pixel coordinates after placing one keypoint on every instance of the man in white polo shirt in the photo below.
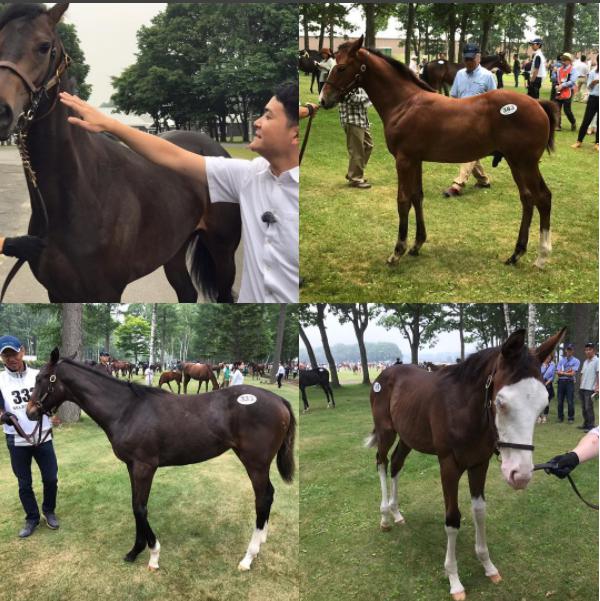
(266, 188)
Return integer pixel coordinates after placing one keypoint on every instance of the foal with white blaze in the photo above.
(461, 413)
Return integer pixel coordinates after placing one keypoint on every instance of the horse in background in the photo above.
(306, 64)
(316, 377)
(440, 74)
(198, 371)
(171, 376)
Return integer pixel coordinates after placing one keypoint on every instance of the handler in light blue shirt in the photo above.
(470, 81)
(567, 369)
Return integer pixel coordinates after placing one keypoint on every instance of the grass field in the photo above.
(543, 540)
(346, 234)
(203, 516)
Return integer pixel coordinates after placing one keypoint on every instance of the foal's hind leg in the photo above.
(140, 475)
(263, 493)
(476, 486)
(385, 439)
(533, 191)
(398, 457)
(179, 277)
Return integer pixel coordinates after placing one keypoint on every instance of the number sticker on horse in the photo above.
(376, 387)
(246, 399)
(508, 109)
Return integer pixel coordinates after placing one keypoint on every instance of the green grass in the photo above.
(543, 540)
(241, 151)
(202, 514)
(346, 234)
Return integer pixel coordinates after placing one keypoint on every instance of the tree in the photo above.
(133, 336)
(320, 318)
(454, 319)
(358, 315)
(151, 350)
(569, 26)
(309, 349)
(531, 325)
(279, 341)
(71, 346)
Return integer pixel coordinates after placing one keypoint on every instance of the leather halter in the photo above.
(489, 409)
(355, 83)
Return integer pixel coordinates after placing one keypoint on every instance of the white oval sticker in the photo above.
(377, 387)
(508, 109)
(246, 399)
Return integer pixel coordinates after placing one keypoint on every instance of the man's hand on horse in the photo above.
(90, 118)
(23, 247)
(562, 465)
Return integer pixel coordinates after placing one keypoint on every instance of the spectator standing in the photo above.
(516, 69)
(538, 69)
(325, 65)
(588, 386)
(566, 371)
(583, 70)
(548, 369)
(591, 109)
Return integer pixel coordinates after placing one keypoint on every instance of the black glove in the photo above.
(5, 418)
(23, 247)
(563, 464)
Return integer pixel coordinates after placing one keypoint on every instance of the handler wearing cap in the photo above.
(588, 386)
(16, 384)
(566, 79)
(538, 69)
(104, 363)
(471, 81)
(566, 371)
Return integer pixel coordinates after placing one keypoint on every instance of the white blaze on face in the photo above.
(517, 408)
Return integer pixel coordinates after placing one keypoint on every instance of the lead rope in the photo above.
(543, 466)
(306, 134)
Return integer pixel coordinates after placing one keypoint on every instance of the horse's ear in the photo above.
(54, 355)
(356, 46)
(514, 344)
(547, 348)
(57, 11)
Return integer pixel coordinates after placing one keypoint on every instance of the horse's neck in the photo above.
(100, 396)
(387, 89)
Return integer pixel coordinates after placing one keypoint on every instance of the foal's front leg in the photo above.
(141, 476)
(407, 188)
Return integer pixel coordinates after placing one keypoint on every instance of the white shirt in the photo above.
(588, 374)
(581, 68)
(237, 378)
(270, 272)
(16, 389)
(148, 373)
(281, 371)
(542, 69)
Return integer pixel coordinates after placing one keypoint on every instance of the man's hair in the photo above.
(582, 57)
(288, 95)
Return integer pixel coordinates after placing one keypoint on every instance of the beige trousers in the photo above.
(360, 145)
(466, 169)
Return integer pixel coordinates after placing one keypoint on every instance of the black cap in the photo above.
(470, 50)
(104, 354)
(570, 347)
(590, 345)
(536, 41)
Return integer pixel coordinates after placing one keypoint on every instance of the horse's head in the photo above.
(503, 63)
(518, 396)
(31, 56)
(345, 75)
(49, 392)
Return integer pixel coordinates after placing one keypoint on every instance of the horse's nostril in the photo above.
(5, 113)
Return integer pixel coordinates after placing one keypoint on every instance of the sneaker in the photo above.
(28, 528)
(362, 184)
(451, 191)
(51, 520)
(481, 185)
(576, 145)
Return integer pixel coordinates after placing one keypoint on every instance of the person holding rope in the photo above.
(266, 188)
(307, 110)
(16, 384)
(586, 449)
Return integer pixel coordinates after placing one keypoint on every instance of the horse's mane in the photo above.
(16, 11)
(402, 69)
(473, 368)
(138, 389)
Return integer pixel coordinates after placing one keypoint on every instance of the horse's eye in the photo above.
(341, 67)
(44, 48)
(500, 403)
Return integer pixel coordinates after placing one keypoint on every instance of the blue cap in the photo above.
(470, 50)
(104, 354)
(570, 347)
(10, 342)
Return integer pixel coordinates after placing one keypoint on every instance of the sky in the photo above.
(107, 33)
(448, 342)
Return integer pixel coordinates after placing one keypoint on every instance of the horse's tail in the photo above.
(370, 441)
(203, 269)
(550, 110)
(285, 454)
(425, 75)
(9, 278)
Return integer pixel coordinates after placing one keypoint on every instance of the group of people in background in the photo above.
(567, 372)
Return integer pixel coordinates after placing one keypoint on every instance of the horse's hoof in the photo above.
(413, 252)
(539, 263)
(400, 521)
(459, 596)
(153, 569)
(393, 260)
(385, 527)
(495, 578)
(129, 558)
(242, 567)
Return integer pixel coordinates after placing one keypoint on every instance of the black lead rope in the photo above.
(543, 466)
(306, 134)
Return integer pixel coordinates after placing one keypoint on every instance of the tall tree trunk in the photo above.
(278, 341)
(370, 25)
(461, 330)
(569, 26)
(507, 319)
(322, 32)
(107, 330)
(410, 25)
(309, 349)
(486, 25)
(451, 33)
(71, 346)
(531, 325)
(360, 321)
(306, 35)
(464, 20)
(163, 337)
(152, 335)
(323, 331)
